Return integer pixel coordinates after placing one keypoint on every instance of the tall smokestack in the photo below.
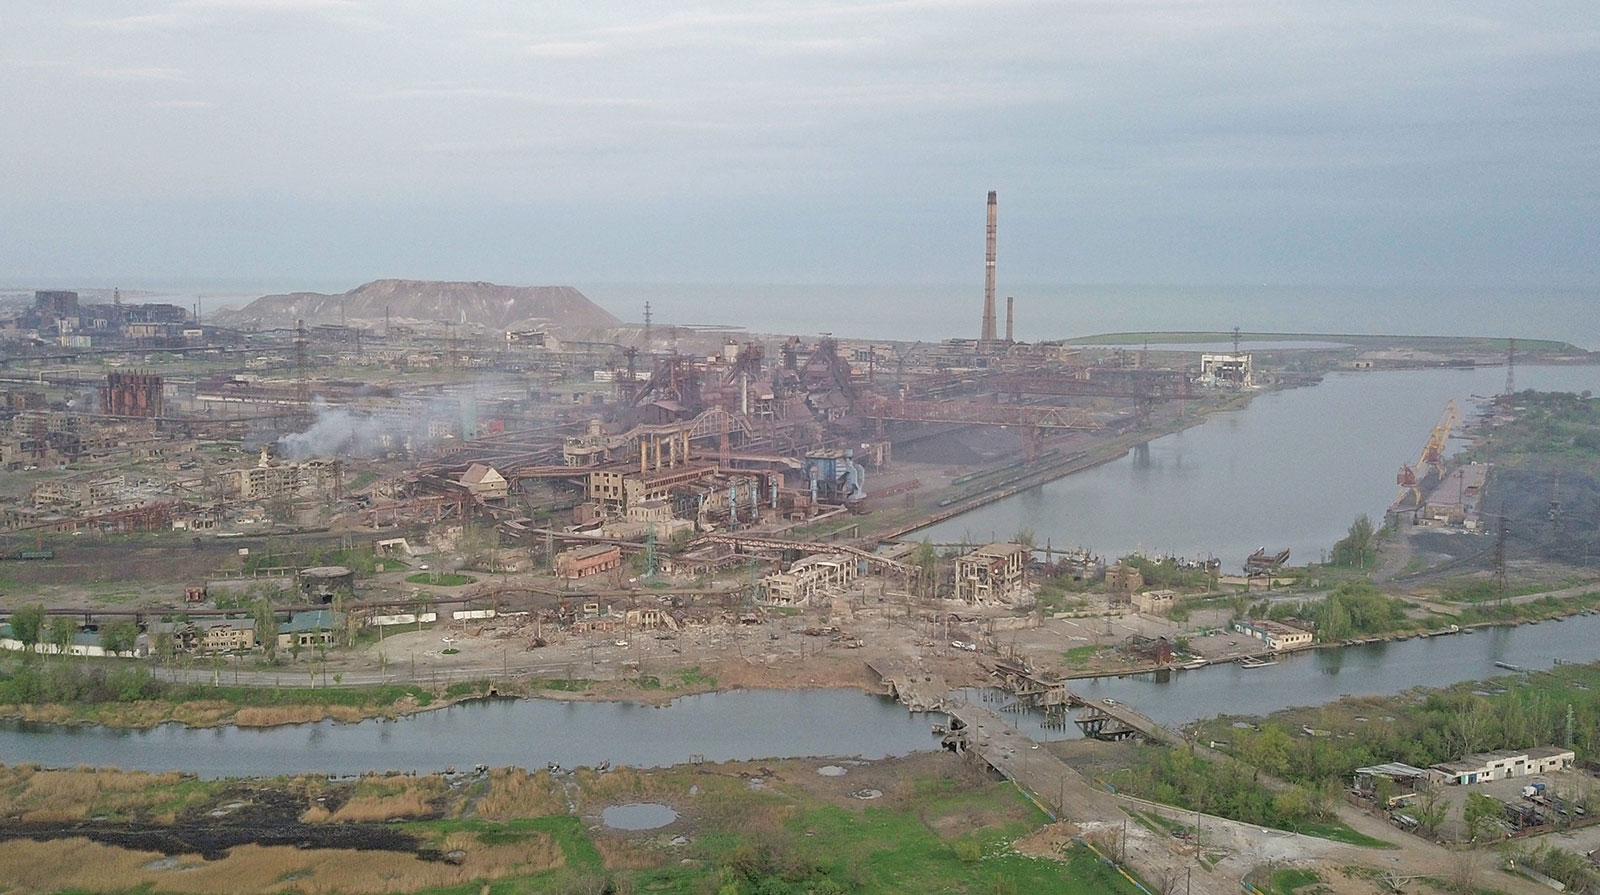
(988, 274)
(1009, 303)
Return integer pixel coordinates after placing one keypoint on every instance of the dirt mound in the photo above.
(411, 302)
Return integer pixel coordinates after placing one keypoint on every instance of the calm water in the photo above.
(935, 311)
(742, 724)
(1322, 676)
(1053, 311)
(1291, 470)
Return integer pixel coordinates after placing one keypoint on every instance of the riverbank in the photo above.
(1509, 616)
(271, 704)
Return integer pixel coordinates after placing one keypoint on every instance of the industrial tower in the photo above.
(988, 336)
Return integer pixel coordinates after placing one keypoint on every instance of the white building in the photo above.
(1486, 766)
(1226, 370)
(1276, 635)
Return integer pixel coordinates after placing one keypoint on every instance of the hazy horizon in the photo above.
(329, 141)
(1044, 311)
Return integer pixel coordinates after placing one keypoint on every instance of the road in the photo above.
(1052, 781)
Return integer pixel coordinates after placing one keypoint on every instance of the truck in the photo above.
(1532, 789)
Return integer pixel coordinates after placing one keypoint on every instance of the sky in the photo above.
(1131, 141)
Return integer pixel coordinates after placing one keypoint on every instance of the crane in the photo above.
(1410, 478)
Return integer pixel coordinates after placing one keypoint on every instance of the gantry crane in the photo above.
(1410, 478)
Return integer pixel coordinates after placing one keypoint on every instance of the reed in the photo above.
(378, 798)
(57, 796)
(515, 793)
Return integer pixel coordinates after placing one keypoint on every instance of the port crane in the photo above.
(1410, 478)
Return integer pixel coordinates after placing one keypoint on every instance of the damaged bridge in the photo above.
(922, 691)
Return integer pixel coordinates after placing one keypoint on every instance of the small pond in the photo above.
(638, 816)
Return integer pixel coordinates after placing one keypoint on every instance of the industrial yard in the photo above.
(366, 512)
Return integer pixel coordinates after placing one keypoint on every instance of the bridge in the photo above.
(1103, 720)
(1059, 790)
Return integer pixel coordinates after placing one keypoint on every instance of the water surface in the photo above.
(529, 733)
(1292, 469)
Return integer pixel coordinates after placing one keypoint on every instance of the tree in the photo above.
(927, 563)
(60, 633)
(266, 629)
(166, 647)
(1429, 812)
(1025, 537)
(1355, 548)
(27, 624)
(1481, 815)
(1469, 728)
(119, 637)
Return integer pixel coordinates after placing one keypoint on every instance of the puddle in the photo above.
(868, 794)
(831, 770)
(638, 816)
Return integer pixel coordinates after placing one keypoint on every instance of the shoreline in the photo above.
(658, 698)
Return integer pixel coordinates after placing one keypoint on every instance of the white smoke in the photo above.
(337, 433)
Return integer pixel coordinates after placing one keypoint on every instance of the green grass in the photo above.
(825, 849)
(1284, 882)
(938, 834)
(1339, 832)
(1080, 655)
(351, 696)
(575, 685)
(695, 677)
(440, 579)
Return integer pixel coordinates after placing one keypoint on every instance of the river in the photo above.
(756, 724)
(1290, 470)
(1315, 677)
(529, 733)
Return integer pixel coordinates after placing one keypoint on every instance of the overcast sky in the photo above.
(335, 141)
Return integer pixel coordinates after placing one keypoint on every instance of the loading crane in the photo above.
(1431, 462)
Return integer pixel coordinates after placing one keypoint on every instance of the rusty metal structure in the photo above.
(132, 394)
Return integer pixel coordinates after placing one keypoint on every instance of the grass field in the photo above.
(440, 579)
(938, 826)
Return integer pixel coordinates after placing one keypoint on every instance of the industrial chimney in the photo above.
(1010, 302)
(988, 275)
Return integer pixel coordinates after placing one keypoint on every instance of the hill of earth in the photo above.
(488, 305)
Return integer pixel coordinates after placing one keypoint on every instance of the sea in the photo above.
(932, 312)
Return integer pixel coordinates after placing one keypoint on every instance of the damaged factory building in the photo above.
(995, 573)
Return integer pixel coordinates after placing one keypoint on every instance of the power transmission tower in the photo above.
(1500, 557)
